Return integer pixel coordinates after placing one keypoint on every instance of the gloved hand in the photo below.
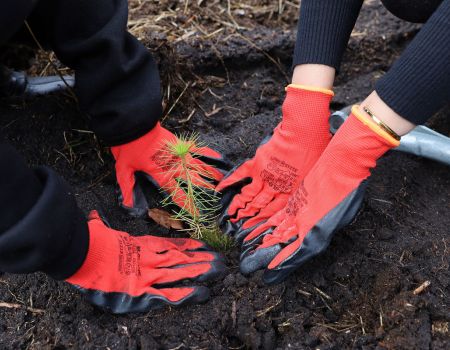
(280, 164)
(123, 273)
(326, 200)
(148, 157)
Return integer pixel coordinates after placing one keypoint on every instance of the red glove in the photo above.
(327, 199)
(280, 164)
(144, 164)
(123, 273)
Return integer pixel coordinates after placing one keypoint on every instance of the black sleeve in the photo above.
(117, 80)
(324, 29)
(41, 227)
(12, 15)
(418, 84)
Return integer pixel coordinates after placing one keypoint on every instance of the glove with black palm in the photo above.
(262, 185)
(123, 273)
(145, 164)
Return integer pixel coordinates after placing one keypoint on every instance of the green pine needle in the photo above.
(217, 240)
(200, 204)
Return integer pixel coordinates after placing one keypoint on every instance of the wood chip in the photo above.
(164, 219)
(422, 287)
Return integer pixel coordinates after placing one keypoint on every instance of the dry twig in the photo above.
(18, 306)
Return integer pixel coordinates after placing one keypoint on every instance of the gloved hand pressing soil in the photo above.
(123, 273)
(145, 164)
(261, 186)
(327, 199)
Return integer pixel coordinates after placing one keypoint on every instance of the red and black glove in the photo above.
(123, 273)
(327, 199)
(280, 164)
(145, 164)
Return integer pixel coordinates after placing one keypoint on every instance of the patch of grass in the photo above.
(194, 190)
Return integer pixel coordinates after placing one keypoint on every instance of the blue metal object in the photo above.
(14, 83)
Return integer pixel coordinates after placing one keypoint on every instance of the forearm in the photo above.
(117, 80)
(418, 84)
(12, 15)
(316, 75)
(41, 228)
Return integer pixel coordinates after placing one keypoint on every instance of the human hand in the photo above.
(123, 273)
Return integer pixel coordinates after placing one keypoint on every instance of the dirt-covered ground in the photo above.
(229, 87)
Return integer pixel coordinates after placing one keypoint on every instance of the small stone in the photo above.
(386, 234)
(229, 281)
(331, 316)
(311, 341)
(269, 340)
(148, 342)
(319, 280)
(241, 280)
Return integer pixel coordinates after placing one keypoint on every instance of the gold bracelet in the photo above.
(381, 124)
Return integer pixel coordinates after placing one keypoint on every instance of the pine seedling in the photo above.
(193, 188)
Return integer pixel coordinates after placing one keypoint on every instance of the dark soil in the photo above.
(358, 295)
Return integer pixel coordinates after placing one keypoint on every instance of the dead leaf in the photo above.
(164, 219)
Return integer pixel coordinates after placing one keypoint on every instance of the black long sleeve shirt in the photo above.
(117, 80)
(417, 85)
